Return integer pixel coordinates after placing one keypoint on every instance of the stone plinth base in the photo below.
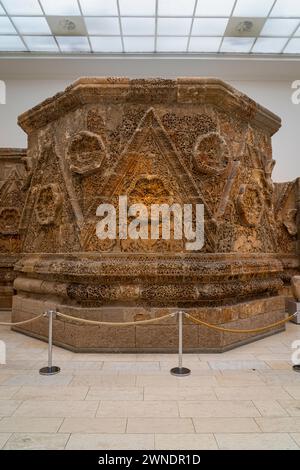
(159, 337)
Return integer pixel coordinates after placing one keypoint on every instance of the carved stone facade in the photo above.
(189, 140)
(14, 168)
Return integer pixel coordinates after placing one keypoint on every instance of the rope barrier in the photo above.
(177, 371)
(234, 330)
(22, 322)
(107, 323)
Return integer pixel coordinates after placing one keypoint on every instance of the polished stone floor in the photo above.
(248, 398)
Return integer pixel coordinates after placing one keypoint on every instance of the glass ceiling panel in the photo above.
(237, 44)
(253, 8)
(293, 47)
(269, 45)
(99, 7)
(214, 7)
(203, 44)
(140, 44)
(22, 7)
(171, 44)
(151, 26)
(137, 7)
(174, 26)
(279, 27)
(60, 7)
(11, 43)
(106, 44)
(138, 26)
(73, 43)
(209, 26)
(176, 7)
(41, 43)
(286, 8)
(102, 26)
(31, 25)
(6, 26)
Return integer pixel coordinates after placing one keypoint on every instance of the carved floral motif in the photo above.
(48, 204)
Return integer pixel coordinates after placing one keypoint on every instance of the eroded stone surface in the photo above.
(14, 170)
(189, 140)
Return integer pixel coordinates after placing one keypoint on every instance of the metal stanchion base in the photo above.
(296, 367)
(180, 371)
(49, 370)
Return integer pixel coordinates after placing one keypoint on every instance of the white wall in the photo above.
(24, 91)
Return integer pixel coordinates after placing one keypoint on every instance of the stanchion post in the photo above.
(50, 369)
(180, 371)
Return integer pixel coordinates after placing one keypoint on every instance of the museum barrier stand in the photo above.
(176, 371)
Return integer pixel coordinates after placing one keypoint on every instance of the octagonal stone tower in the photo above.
(189, 140)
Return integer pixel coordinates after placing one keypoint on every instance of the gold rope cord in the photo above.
(22, 322)
(130, 323)
(231, 330)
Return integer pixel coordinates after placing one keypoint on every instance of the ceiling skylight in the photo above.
(102, 26)
(137, 7)
(214, 7)
(99, 7)
(22, 7)
(269, 45)
(176, 7)
(138, 26)
(237, 44)
(253, 8)
(31, 25)
(150, 26)
(6, 26)
(174, 26)
(60, 7)
(209, 26)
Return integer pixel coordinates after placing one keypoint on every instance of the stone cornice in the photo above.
(189, 90)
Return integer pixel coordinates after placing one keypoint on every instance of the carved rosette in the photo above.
(9, 220)
(48, 204)
(250, 205)
(85, 152)
(211, 154)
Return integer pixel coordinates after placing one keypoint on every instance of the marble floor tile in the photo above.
(24, 424)
(115, 393)
(179, 393)
(4, 436)
(40, 380)
(270, 408)
(55, 392)
(218, 409)
(160, 425)
(7, 407)
(259, 441)
(282, 424)
(42, 441)
(293, 391)
(7, 391)
(238, 365)
(225, 425)
(296, 437)
(57, 409)
(107, 380)
(131, 367)
(185, 441)
(138, 409)
(251, 393)
(93, 425)
(291, 406)
(110, 441)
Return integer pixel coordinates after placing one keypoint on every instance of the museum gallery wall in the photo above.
(189, 140)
